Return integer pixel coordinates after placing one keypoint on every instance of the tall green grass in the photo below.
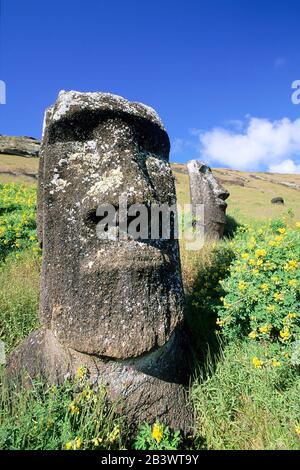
(19, 293)
(71, 416)
(240, 407)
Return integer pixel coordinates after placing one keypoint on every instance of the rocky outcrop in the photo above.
(277, 200)
(22, 146)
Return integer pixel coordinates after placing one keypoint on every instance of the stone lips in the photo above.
(206, 190)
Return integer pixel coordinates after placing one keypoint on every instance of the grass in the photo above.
(19, 293)
(15, 169)
(71, 416)
(239, 407)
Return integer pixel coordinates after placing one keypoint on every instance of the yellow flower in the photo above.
(78, 443)
(297, 430)
(272, 243)
(97, 441)
(260, 253)
(252, 335)
(157, 433)
(259, 262)
(264, 287)
(113, 436)
(297, 224)
(69, 445)
(245, 255)
(264, 329)
(242, 285)
(257, 363)
(278, 297)
(271, 308)
(87, 393)
(276, 363)
(251, 262)
(281, 231)
(278, 239)
(291, 315)
(74, 410)
(50, 423)
(81, 372)
(284, 334)
(291, 265)
(293, 283)
(219, 322)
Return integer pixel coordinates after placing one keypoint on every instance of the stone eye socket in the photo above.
(92, 219)
(78, 127)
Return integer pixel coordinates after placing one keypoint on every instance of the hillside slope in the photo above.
(250, 192)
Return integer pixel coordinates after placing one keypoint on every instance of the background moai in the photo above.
(115, 306)
(206, 190)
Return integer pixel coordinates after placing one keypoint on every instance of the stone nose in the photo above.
(223, 195)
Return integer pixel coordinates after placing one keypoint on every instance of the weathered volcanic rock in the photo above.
(206, 190)
(23, 146)
(115, 303)
(277, 200)
(140, 396)
(114, 298)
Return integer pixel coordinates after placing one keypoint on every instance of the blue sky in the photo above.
(218, 72)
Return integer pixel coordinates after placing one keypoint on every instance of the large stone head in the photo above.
(112, 297)
(206, 190)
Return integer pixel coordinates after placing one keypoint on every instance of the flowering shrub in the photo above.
(17, 218)
(263, 289)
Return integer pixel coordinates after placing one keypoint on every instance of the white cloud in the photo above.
(262, 144)
(287, 166)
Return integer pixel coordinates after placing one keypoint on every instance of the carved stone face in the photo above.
(206, 190)
(114, 298)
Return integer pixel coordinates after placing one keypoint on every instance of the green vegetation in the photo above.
(242, 407)
(157, 437)
(17, 218)
(19, 292)
(263, 288)
(243, 316)
(69, 417)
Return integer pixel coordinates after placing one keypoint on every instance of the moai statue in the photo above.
(206, 190)
(113, 304)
